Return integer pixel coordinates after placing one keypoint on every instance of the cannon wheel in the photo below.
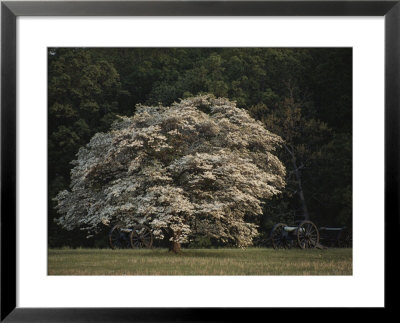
(119, 238)
(279, 237)
(307, 235)
(344, 239)
(141, 237)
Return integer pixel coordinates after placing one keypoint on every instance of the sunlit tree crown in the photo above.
(199, 167)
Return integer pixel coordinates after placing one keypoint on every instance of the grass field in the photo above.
(252, 261)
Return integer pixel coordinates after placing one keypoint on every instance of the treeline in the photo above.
(302, 94)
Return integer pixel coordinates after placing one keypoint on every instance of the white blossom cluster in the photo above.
(202, 166)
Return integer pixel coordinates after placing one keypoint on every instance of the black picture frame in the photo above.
(10, 10)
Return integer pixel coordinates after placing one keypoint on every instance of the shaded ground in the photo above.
(253, 261)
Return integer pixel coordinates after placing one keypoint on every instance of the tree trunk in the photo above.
(300, 188)
(296, 170)
(175, 247)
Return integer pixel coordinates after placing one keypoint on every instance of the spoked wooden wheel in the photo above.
(345, 240)
(141, 237)
(307, 235)
(119, 237)
(279, 236)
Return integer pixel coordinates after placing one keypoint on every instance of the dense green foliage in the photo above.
(303, 95)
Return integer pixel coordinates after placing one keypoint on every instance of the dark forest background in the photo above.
(302, 94)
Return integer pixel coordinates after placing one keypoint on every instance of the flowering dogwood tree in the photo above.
(200, 167)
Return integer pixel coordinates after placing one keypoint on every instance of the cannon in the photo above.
(305, 235)
(340, 237)
(138, 236)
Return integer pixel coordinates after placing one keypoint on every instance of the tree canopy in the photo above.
(200, 166)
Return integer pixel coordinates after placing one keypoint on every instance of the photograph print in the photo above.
(200, 161)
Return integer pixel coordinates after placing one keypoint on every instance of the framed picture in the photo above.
(33, 32)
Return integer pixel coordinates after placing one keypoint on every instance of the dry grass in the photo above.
(253, 261)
